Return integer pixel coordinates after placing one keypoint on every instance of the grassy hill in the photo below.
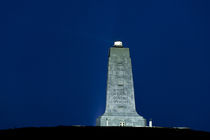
(101, 132)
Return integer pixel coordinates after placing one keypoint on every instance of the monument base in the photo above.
(130, 121)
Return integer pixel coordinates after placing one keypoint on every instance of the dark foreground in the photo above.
(103, 132)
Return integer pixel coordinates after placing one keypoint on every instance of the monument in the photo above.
(120, 102)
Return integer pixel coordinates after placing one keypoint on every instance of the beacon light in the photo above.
(118, 43)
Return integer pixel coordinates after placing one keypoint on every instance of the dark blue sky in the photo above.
(54, 54)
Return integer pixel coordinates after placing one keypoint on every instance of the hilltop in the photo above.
(91, 131)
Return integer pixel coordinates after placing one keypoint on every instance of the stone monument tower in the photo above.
(120, 101)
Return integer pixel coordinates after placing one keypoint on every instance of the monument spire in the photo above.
(120, 102)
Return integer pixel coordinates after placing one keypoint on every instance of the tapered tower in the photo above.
(120, 100)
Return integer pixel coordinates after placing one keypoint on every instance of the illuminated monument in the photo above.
(120, 101)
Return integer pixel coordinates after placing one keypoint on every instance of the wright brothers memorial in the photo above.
(120, 102)
(120, 109)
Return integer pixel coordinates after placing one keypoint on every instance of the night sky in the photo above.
(54, 55)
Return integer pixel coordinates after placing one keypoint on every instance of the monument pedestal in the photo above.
(125, 120)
